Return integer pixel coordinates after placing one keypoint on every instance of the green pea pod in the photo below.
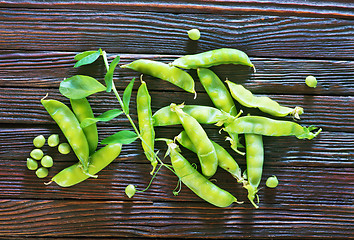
(204, 148)
(70, 127)
(197, 182)
(225, 161)
(146, 127)
(221, 98)
(213, 58)
(203, 114)
(82, 109)
(254, 160)
(265, 104)
(165, 72)
(100, 159)
(269, 127)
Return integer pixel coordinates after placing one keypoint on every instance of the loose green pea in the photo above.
(64, 148)
(47, 161)
(36, 154)
(53, 140)
(42, 172)
(194, 34)
(311, 81)
(272, 182)
(39, 141)
(32, 164)
(130, 190)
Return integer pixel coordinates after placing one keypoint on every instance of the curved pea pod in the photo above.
(70, 127)
(197, 182)
(225, 160)
(100, 159)
(270, 127)
(254, 160)
(163, 71)
(146, 127)
(204, 148)
(213, 58)
(82, 109)
(203, 114)
(265, 104)
(221, 98)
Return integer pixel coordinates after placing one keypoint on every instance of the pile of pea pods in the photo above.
(84, 138)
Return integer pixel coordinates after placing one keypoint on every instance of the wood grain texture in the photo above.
(327, 8)
(47, 218)
(163, 33)
(315, 185)
(331, 113)
(286, 40)
(274, 75)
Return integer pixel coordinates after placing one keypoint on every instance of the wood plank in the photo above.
(69, 218)
(274, 75)
(327, 8)
(332, 149)
(315, 185)
(332, 113)
(163, 33)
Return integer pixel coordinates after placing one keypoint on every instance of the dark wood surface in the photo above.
(286, 40)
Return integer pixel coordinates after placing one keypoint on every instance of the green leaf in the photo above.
(126, 96)
(88, 59)
(109, 75)
(80, 86)
(123, 137)
(81, 55)
(104, 117)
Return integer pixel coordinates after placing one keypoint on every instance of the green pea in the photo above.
(311, 81)
(64, 148)
(42, 172)
(32, 164)
(47, 161)
(130, 190)
(36, 154)
(272, 182)
(39, 141)
(53, 140)
(194, 34)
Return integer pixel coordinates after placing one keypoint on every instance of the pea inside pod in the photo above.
(70, 127)
(197, 182)
(163, 71)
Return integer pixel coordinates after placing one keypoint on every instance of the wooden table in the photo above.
(286, 40)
